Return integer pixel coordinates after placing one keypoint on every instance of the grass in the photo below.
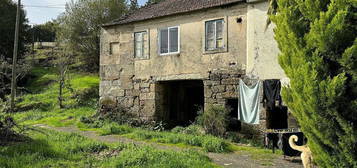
(43, 101)
(207, 142)
(45, 90)
(71, 150)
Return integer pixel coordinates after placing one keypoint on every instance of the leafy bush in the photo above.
(110, 110)
(178, 129)
(92, 122)
(214, 120)
(8, 128)
(86, 96)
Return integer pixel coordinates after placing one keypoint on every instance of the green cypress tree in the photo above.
(318, 45)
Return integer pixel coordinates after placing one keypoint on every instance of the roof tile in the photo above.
(169, 7)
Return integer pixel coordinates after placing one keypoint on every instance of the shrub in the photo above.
(112, 111)
(178, 129)
(87, 96)
(8, 130)
(92, 122)
(214, 120)
(318, 44)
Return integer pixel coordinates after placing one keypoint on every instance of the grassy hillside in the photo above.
(41, 106)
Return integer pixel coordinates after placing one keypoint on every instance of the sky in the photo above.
(41, 11)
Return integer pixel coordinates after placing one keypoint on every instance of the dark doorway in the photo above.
(277, 117)
(234, 123)
(180, 101)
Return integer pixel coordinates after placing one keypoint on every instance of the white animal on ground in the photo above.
(306, 155)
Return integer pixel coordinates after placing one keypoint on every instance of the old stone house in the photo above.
(165, 61)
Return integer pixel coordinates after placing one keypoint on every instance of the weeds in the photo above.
(72, 150)
(214, 120)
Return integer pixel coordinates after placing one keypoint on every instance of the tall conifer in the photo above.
(318, 45)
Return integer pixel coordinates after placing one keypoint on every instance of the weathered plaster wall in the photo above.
(132, 82)
(262, 49)
(192, 60)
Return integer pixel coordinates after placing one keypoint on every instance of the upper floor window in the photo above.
(169, 40)
(141, 44)
(113, 48)
(214, 34)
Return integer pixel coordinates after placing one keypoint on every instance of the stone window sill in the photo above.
(216, 51)
(141, 59)
(172, 54)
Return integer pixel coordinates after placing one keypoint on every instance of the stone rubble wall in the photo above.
(140, 96)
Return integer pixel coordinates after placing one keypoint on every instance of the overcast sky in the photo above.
(41, 11)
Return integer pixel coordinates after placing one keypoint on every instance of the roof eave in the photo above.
(118, 23)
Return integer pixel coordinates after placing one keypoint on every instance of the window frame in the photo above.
(143, 45)
(111, 44)
(168, 41)
(215, 35)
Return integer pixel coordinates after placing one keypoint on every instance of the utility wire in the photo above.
(35, 6)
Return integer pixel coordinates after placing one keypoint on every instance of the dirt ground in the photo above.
(230, 160)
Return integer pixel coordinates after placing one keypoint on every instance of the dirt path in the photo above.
(230, 160)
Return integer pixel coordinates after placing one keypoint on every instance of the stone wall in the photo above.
(133, 83)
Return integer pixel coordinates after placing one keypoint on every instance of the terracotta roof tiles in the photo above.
(169, 7)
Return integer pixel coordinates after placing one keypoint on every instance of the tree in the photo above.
(153, 1)
(134, 5)
(318, 45)
(45, 32)
(81, 24)
(7, 30)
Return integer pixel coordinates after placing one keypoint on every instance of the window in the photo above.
(214, 34)
(141, 45)
(113, 48)
(169, 40)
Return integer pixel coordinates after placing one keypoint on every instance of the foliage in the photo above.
(7, 30)
(112, 111)
(86, 96)
(23, 69)
(45, 32)
(214, 120)
(43, 89)
(7, 130)
(80, 27)
(153, 1)
(318, 45)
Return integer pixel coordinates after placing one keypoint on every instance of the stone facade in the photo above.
(135, 83)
